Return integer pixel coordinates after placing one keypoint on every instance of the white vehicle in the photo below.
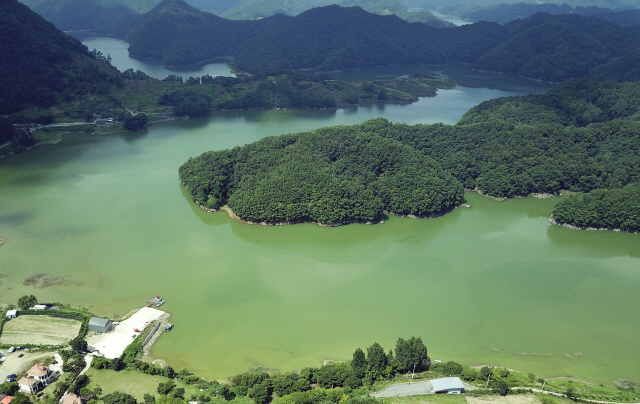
(11, 349)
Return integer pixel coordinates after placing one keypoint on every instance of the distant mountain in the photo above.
(505, 13)
(41, 65)
(216, 7)
(451, 6)
(179, 34)
(543, 46)
(255, 9)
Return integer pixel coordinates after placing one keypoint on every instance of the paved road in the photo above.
(406, 389)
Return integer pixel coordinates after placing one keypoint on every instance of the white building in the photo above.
(38, 377)
(12, 313)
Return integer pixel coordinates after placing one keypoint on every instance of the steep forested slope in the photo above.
(40, 65)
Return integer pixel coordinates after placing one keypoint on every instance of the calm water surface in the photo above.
(118, 50)
(493, 284)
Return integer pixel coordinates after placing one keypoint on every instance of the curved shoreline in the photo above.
(233, 216)
(576, 227)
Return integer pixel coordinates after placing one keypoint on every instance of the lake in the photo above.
(107, 221)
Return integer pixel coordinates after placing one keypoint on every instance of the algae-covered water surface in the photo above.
(108, 223)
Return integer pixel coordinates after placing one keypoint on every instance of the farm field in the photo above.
(39, 330)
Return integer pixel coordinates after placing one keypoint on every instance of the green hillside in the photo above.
(42, 66)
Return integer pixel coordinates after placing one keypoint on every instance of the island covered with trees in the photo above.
(329, 176)
(580, 136)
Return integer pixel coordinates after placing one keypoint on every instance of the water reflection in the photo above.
(595, 244)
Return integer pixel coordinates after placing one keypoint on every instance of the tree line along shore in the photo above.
(131, 378)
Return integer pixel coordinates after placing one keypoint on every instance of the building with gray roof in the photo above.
(98, 324)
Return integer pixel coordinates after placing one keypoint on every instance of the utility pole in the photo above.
(487, 386)
(414, 371)
(545, 382)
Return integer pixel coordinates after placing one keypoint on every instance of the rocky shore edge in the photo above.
(576, 227)
(233, 216)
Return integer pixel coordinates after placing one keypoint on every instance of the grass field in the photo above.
(132, 382)
(39, 330)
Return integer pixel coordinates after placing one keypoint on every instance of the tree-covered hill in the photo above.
(331, 176)
(42, 66)
(568, 147)
(554, 48)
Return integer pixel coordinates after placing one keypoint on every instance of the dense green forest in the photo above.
(617, 208)
(543, 46)
(41, 65)
(330, 176)
(580, 136)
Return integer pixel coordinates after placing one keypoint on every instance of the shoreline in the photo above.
(233, 216)
(588, 228)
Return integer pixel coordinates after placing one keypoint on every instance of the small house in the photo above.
(38, 377)
(100, 325)
(12, 313)
(448, 385)
(5, 399)
(40, 306)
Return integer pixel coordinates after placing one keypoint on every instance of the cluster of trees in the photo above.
(617, 208)
(333, 380)
(135, 122)
(329, 176)
(187, 103)
(289, 89)
(27, 301)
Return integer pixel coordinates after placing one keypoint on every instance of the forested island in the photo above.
(581, 136)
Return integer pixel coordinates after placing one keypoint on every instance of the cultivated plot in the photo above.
(39, 330)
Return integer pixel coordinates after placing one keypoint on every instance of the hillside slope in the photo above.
(41, 65)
